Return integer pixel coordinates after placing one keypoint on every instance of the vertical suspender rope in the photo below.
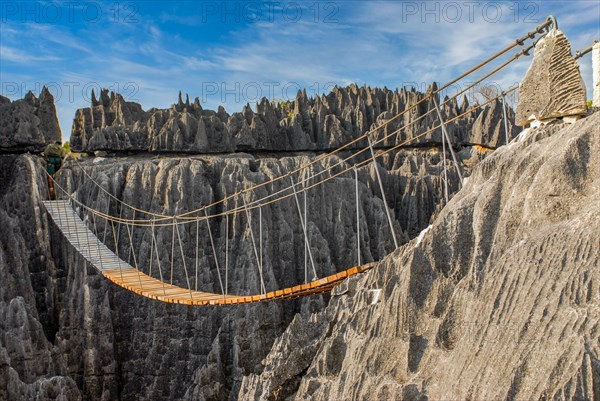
(158, 260)
(172, 247)
(445, 133)
(87, 233)
(140, 249)
(106, 219)
(260, 272)
(260, 237)
(357, 218)
(387, 210)
(119, 229)
(187, 277)
(445, 168)
(151, 248)
(112, 224)
(131, 246)
(312, 262)
(97, 239)
(504, 116)
(134, 258)
(70, 201)
(212, 244)
(197, 231)
(226, 249)
(305, 244)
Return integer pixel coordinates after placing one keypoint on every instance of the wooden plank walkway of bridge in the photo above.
(128, 277)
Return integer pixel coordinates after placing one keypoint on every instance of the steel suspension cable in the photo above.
(519, 41)
(256, 204)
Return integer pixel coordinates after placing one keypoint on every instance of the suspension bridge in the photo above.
(83, 226)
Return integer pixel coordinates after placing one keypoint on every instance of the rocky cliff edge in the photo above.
(498, 299)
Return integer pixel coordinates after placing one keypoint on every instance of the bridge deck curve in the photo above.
(124, 275)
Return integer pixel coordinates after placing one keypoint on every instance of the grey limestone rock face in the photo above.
(28, 124)
(30, 366)
(111, 123)
(93, 340)
(202, 353)
(553, 86)
(307, 123)
(498, 299)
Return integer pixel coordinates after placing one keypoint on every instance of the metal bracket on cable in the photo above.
(551, 20)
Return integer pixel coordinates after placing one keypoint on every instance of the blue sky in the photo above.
(232, 53)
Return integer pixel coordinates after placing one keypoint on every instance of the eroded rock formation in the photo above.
(28, 124)
(498, 299)
(97, 341)
(553, 86)
(319, 123)
(92, 340)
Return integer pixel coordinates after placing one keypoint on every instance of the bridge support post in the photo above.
(387, 210)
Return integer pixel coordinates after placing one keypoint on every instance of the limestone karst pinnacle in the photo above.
(28, 124)
(553, 86)
(306, 123)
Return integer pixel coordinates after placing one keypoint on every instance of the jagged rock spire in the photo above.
(104, 98)
(553, 86)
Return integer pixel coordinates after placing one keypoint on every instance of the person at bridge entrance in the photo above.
(54, 154)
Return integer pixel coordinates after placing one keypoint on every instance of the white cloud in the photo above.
(22, 57)
(375, 43)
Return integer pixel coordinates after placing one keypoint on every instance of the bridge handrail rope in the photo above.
(175, 230)
(255, 204)
(183, 217)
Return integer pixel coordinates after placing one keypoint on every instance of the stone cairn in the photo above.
(553, 87)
